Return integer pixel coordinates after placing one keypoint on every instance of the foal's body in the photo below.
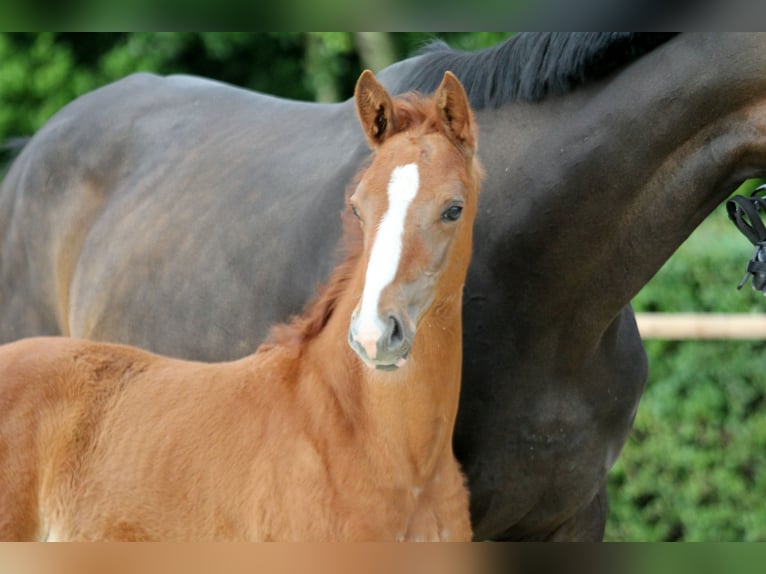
(302, 440)
(219, 451)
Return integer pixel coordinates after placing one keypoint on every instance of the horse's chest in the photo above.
(553, 445)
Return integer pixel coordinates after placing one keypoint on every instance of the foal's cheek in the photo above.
(420, 296)
(439, 256)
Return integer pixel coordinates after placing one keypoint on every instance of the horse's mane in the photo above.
(530, 66)
(411, 110)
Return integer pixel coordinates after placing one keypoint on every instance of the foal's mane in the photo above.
(412, 111)
(530, 66)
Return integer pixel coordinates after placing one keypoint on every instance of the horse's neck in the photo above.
(613, 178)
(405, 416)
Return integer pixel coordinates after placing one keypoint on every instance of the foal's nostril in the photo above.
(395, 333)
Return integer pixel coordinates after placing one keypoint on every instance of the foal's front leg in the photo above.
(441, 512)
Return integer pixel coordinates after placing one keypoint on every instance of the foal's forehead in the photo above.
(434, 155)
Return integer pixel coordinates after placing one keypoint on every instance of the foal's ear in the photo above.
(455, 113)
(375, 109)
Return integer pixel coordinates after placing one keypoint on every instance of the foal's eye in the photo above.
(452, 213)
(355, 211)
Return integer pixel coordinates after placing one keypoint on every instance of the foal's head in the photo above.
(416, 204)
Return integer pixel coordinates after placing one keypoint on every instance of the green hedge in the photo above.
(694, 467)
(40, 73)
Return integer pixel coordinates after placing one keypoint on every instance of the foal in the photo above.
(338, 428)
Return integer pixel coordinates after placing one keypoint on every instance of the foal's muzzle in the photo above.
(384, 343)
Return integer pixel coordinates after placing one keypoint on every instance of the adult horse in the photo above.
(169, 213)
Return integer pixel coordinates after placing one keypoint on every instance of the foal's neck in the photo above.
(404, 414)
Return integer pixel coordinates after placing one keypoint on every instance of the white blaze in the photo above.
(386, 249)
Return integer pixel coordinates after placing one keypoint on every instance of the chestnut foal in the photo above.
(338, 428)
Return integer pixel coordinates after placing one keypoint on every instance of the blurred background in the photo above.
(40, 73)
(695, 465)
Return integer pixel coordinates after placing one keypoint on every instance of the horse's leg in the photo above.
(30, 289)
(588, 524)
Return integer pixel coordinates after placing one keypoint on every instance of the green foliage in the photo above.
(327, 63)
(694, 467)
(37, 77)
(411, 42)
(40, 73)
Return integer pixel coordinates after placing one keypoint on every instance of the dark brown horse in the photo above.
(187, 216)
(338, 429)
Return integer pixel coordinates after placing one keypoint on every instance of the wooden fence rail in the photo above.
(701, 325)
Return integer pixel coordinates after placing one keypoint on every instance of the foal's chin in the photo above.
(393, 364)
(400, 362)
